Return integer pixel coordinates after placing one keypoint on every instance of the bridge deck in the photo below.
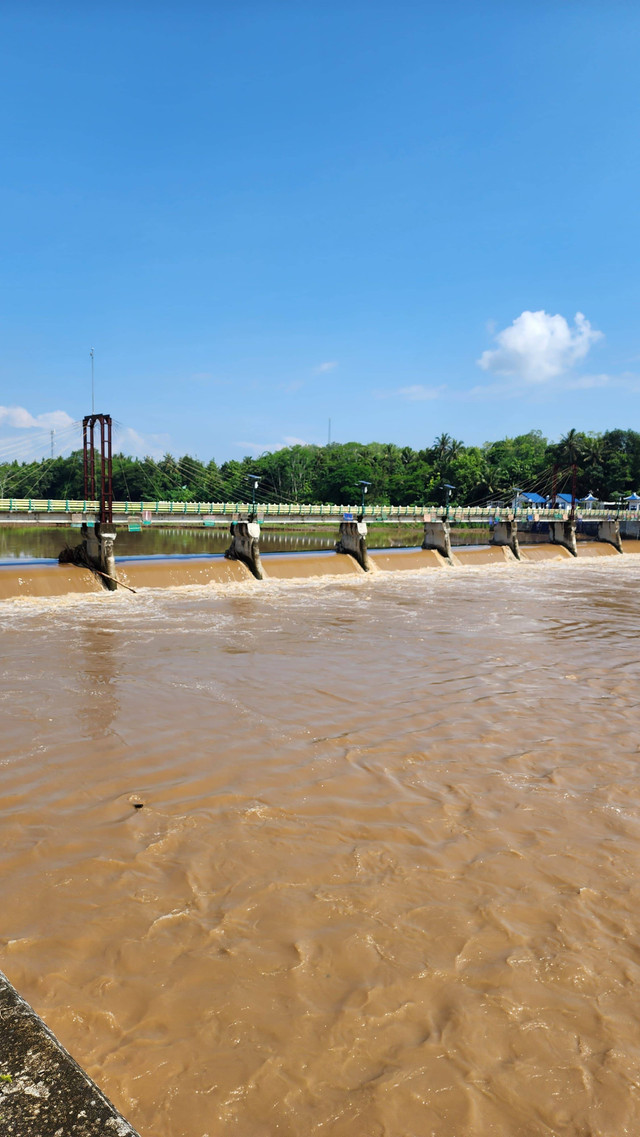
(41, 508)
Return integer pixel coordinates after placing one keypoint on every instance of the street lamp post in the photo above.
(254, 479)
(449, 488)
(364, 487)
(516, 495)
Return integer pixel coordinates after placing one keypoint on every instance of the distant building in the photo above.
(530, 499)
(561, 501)
(589, 501)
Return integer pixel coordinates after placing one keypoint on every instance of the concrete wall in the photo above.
(95, 552)
(245, 546)
(43, 1091)
(106, 535)
(609, 531)
(436, 536)
(506, 533)
(564, 533)
(353, 540)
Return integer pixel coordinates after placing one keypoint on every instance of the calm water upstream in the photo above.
(28, 541)
(386, 876)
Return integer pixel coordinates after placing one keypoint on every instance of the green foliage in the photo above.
(606, 464)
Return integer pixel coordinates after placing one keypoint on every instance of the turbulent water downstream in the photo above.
(385, 879)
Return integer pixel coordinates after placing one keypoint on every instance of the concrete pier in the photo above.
(95, 551)
(609, 531)
(245, 546)
(43, 1091)
(506, 533)
(105, 536)
(436, 536)
(353, 540)
(564, 533)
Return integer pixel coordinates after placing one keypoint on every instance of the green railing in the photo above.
(207, 509)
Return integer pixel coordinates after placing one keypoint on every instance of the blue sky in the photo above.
(406, 217)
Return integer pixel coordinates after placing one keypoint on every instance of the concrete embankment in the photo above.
(243, 560)
(298, 566)
(46, 580)
(33, 581)
(595, 549)
(489, 555)
(544, 551)
(43, 1090)
(161, 572)
(403, 560)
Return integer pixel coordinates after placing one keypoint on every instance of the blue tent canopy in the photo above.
(534, 498)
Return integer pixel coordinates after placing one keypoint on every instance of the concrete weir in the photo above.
(95, 551)
(353, 540)
(43, 1091)
(609, 531)
(564, 533)
(245, 546)
(506, 533)
(436, 536)
(91, 565)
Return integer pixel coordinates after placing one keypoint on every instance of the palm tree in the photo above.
(594, 449)
(594, 456)
(441, 445)
(571, 447)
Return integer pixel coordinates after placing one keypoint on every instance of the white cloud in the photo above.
(418, 393)
(68, 434)
(538, 347)
(588, 382)
(257, 448)
(627, 381)
(322, 367)
(489, 391)
(131, 442)
(21, 419)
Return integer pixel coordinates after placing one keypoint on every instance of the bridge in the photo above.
(507, 524)
(76, 511)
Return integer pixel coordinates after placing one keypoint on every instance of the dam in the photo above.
(329, 852)
(246, 550)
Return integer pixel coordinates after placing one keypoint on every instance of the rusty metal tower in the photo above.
(105, 472)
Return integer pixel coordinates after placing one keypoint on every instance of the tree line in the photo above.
(606, 464)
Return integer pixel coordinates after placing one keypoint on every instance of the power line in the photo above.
(14, 447)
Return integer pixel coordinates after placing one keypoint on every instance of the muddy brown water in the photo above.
(26, 541)
(385, 879)
(36, 540)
